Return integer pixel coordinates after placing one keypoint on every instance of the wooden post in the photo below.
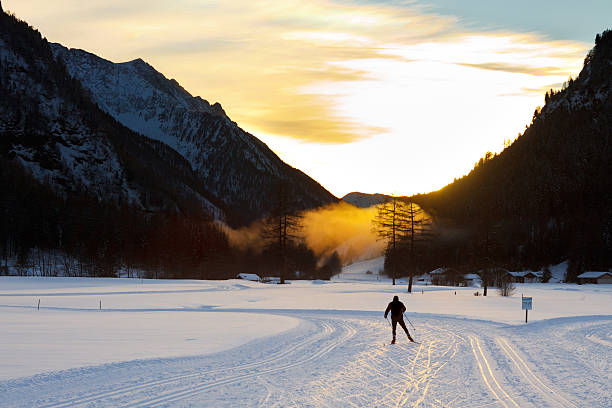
(526, 311)
(38, 307)
(100, 304)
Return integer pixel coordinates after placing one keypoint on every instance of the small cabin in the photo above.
(523, 277)
(516, 277)
(532, 277)
(472, 279)
(595, 277)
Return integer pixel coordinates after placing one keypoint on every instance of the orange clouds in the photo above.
(413, 95)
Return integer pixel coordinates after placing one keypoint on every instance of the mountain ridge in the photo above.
(236, 167)
(62, 138)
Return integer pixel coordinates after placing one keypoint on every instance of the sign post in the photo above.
(527, 306)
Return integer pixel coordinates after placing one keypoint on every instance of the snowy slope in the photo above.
(141, 99)
(232, 164)
(75, 153)
(363, 271)
(54, 131)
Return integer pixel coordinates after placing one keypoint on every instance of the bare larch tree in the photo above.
(391, 225)
(282, 227)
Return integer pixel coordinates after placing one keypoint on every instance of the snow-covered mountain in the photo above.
(364, 200)
(50, 127)
(589, 91)
(234, 166)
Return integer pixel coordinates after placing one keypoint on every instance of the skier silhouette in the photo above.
(397, 310)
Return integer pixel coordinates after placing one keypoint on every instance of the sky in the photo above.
(394, 97)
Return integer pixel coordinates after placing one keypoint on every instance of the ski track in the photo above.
(601, 335)
(334, 360)
(186, 392)
(552, 397)
(327, 329)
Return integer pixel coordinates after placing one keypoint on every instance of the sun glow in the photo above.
(370, 97)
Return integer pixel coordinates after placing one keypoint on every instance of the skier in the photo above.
(397, 310)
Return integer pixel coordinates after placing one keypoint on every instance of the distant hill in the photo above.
(364, 200)
(548, 196)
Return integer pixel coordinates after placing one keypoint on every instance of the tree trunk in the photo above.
(410, 282)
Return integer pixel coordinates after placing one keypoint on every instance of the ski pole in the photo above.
(388, 321)
(409, 321)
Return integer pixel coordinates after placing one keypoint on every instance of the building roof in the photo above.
(594, 275)
(523, 274)
(517, 274)
(438, 271)
(248, 276)
(471, 276)
(536, 274)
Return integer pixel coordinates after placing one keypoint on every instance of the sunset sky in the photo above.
(375, 96)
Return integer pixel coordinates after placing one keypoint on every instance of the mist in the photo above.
(339, 227)
(343, 228)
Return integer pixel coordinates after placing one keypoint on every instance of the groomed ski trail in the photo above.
(552, 396)
(332, 359)
(325, 330)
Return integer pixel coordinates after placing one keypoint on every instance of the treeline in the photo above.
(87, 237)
(49, 234)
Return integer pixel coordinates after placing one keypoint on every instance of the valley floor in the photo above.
(307, 344)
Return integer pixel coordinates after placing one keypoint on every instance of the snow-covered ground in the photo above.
(318, 344)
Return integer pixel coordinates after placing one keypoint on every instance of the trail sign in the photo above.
(527, 305)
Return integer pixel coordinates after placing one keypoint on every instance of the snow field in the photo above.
(313, 344)
(49, 340)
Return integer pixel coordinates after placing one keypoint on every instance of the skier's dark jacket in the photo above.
(396, 308)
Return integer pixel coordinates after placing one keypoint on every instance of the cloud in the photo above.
(344, 91)
(256, 58)
(199, 45)
(314, 126)
(517, 69)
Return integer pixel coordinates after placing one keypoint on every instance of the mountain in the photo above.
(51, 128)
(238, 169)
(84, 195)
(548, 196)
(364, 200)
